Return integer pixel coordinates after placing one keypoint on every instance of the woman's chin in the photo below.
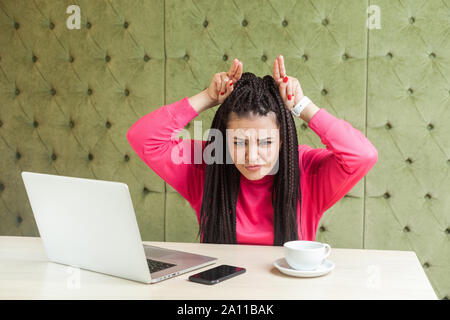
(254, 174)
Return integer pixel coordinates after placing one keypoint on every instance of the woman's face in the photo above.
(254, 141)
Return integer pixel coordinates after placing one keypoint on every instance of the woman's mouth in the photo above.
(253, 168)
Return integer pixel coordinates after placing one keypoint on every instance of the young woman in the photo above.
(273, 190)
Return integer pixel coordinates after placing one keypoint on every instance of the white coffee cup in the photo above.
(305, 255)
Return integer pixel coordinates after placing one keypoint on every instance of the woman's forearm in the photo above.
(309, 112)
(201, 101)
(154, 139)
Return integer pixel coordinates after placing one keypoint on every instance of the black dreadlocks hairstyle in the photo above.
(259, 96)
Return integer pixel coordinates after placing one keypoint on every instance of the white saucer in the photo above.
(324, 268)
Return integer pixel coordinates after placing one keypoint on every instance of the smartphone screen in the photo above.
(216, 274)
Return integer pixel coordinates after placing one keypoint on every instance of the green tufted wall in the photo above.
(68, 97)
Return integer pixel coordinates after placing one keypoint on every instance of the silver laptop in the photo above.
(91, 224)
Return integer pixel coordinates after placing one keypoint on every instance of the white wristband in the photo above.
(300, 106)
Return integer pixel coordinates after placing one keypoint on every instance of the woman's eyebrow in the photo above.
(268, 138)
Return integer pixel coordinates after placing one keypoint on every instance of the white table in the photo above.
(25, 273)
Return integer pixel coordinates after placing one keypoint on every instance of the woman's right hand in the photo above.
(222, 83)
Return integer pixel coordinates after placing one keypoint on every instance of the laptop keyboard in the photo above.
(155, 265)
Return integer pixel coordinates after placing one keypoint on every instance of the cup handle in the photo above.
(328, 250)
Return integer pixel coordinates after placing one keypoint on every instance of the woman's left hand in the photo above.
(290, 90)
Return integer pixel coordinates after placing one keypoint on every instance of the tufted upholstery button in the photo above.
(89, 92)
(54, 157)
(430, 126)
(345, 56)
(304, 57)
(388, 126)
(186, 57)
(409, 160)
(406, 229)
(284, 23)
(18, 155)
(304, 126)
(108, 124)
(19, 219)
(71, 124)
(126, 158)
(447, 231)
(127, 92)
(1, 123)
(322, 229)
(90, 157)
(145, 190)
(432, 55)
(17, 91)
(428, 196)
(325, 22)
(35, 124)
(244, 23)
(52, 91)
(2, 187)
(426, 265)
(34, 58)
(386, 195)
(205, 23)
(445, 298)
(146, 58)
(389, 55)
(71, 59)
(16, 25)
(188, 125)
(51, 26)
(125, 25)
(324, 92)
(88, 25)
(410, 91)
(264, 58)
(224, 57)
(107, 58)
(412, 20)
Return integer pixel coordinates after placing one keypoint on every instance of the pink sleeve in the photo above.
(333, 171)
(152, 137)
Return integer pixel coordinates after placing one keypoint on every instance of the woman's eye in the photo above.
(239, 143)
(266, 142)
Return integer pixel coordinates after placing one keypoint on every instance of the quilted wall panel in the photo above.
(68, 97)
(407, 193)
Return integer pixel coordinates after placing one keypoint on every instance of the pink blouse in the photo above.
(326, 174)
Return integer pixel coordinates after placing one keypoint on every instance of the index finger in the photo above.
(276, 70)
(233, 68)
(239, 71)
(281, 64)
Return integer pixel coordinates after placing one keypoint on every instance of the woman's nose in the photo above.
(252, 153)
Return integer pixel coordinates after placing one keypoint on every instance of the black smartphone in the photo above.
(217, 274)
